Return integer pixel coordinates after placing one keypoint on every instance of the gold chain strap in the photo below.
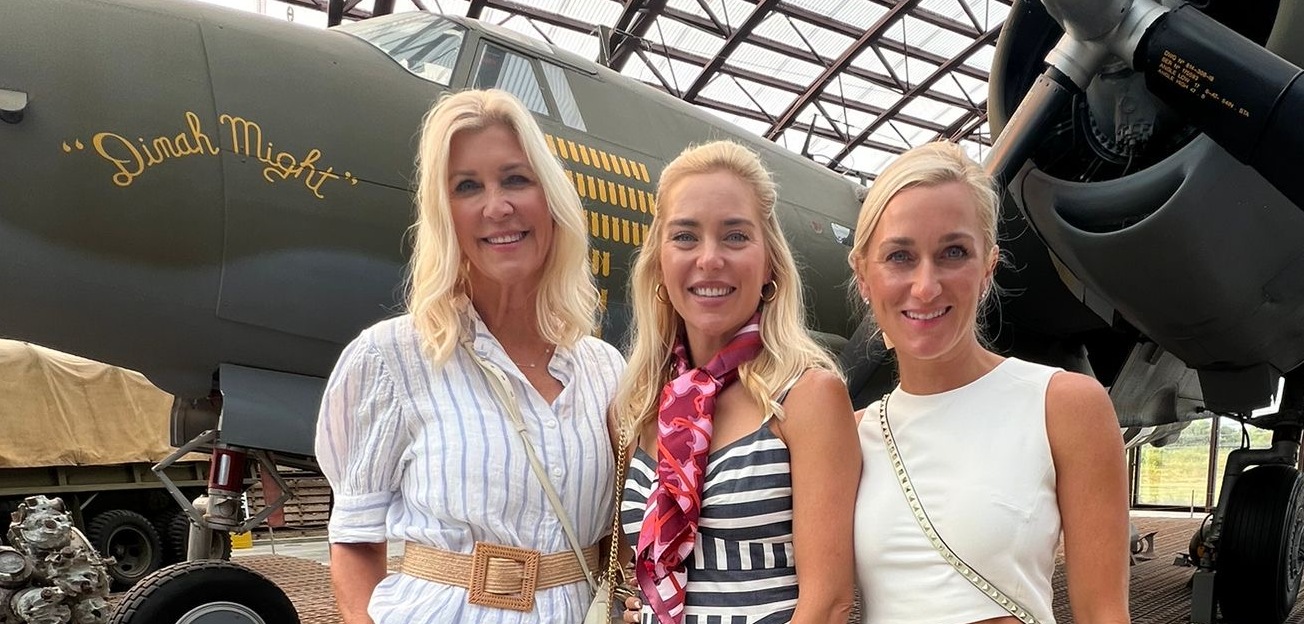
(614, 577)
(969, 574)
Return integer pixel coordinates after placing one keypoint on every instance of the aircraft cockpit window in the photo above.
(562, 95)
(511, 72)
(424, 44)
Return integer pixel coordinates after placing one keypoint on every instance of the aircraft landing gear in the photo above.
(1260, 562)
(1252, 559)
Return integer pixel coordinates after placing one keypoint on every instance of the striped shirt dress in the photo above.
(428, 454)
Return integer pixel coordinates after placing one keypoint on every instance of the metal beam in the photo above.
(813, 91)
(547, 17)
(923, 15)
(477, 7)
(783, 85)
(888, 43)
(736, 38)
(383, 7)
(647, 10)
(918, 89)
(881, 80)
(748, 113)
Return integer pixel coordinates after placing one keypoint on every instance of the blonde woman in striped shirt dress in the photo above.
(416, 444)
(742, 482)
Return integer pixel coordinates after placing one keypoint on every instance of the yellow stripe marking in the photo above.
(574, 153)
(606, 227)
(624, 203)
(606, 164)
(643, 169)
(593, 224)
(624, 166)
(551, 146)
(606, 264)
(584, 154)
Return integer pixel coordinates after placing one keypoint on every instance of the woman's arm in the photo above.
(1091, 484)
(820, 432)
(356, 569)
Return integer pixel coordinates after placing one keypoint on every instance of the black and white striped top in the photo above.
(742, 569)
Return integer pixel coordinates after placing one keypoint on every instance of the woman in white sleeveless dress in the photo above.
(1002, 455)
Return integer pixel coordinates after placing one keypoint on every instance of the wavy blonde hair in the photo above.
(788, 350)
(931, 164)
(567, 301)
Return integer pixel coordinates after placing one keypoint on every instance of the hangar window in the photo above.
(423, 44)
(498, 68)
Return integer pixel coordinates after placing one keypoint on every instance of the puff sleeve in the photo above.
(361, 443)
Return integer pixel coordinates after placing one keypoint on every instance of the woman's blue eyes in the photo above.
(733, 237)
(512, 181)
(954, 252)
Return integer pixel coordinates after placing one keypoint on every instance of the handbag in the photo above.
(600, 609)
(912, 500)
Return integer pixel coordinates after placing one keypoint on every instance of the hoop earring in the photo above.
(661, 294)
(774, 291)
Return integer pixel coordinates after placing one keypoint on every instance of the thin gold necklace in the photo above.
(546, 353)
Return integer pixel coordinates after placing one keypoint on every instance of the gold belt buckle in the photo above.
(478, 593)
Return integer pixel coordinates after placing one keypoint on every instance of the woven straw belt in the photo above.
(494, 575)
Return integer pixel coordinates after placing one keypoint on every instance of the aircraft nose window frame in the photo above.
(567, 107)
(500, 68)
(425, 45)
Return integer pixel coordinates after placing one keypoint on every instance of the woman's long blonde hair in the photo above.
(788, 350)
(567, 302)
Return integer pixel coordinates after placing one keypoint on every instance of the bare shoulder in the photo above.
(1078, 409)
(816, 384)
(1076, 395)
(818, 396)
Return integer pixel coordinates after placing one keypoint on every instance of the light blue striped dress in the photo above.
(428, 454)
(742, 569)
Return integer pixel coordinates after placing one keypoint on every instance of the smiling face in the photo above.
(924, 271)
(713, 257)
(499, 209)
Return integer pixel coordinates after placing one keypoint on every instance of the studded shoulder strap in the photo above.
(912, 499)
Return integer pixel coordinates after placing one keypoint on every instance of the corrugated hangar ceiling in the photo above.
(849, 83)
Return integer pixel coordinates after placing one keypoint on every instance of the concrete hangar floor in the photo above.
(1159, 593)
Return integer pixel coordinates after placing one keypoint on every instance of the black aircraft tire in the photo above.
(188, 591)
(1259, 560)
(131, 540)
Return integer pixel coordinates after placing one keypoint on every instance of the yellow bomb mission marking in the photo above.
(132, 159)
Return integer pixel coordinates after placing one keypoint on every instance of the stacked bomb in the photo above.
(50, 574)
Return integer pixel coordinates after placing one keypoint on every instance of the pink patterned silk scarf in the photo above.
(684, 427)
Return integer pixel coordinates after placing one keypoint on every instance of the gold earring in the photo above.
(774, 291)
(661, 293)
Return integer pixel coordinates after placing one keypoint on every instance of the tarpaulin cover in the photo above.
(62, 410)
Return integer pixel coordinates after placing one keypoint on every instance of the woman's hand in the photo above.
(632, 607)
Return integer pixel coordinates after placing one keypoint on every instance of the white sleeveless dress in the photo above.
(981, 463)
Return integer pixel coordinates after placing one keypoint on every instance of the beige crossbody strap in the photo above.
(498, 381)
(1009, 604)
